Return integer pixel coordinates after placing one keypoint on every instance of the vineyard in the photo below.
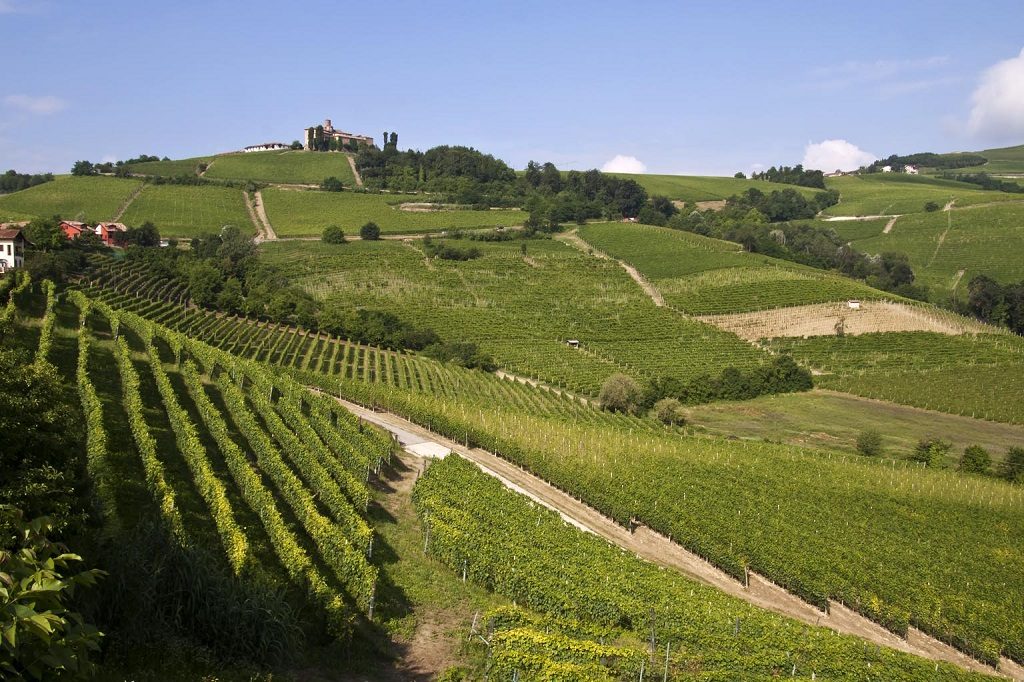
(898, 194)
(705, 276)
(170, 168)
(226, 455)
(306, 214)
(287, 167)
(972, 375)
(984, 240)
(187, 211)
(522, 308)
(692, 188)
(818, 524)
(72, 198)
(592, 593)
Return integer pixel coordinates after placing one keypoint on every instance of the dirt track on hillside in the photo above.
(573, 239)
(661, 550)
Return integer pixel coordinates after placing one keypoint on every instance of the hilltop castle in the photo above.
(326, 137)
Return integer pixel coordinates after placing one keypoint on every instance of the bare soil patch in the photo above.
(825, 319)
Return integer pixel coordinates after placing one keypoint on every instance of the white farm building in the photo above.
(265, 147)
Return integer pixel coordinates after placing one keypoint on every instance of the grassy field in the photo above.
(897, 194)
(306, 214)
(187, 211)
(90, 199)
(827, 420)
(287, 167)
(852, 230)
(971, 375)
(700, 188)
(980, 240)
(1008, 160)
(520, 307)
(708, 276)
(170, 168)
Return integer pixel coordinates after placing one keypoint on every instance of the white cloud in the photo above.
(624, 164)
(998, 109)
(46, 104)
(830, 155)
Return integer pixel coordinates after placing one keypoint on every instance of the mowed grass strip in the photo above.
(188, 211)
(285, 167)
(90, 199)
(306, 214)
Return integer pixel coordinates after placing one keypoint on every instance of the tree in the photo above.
(1013, 466)
(147, 235)
(869, 442)
(42, 638)
(331, 184)
(370, 231)
(619, 393)
(740, 176)
(230, 298)
(669, 411)
(296, 145)
(83, 168)
(333, 235)
(930, 451)
(975, 460)
(45, 233)
(203, 282)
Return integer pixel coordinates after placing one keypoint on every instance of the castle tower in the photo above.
(328, 128)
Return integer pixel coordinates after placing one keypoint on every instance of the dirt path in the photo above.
(956, 280)
(942, 238)
(267, 233)
(128, 202)
(663, 551)
(253, 218)
(949, 205)
(355, 171)
(888, 225)
(573, 239)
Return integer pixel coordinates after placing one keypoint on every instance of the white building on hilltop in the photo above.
(265, 147)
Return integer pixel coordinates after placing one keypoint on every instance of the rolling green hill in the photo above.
(187, 211)
(691, 188)
(90, 199)
(898, 193)
(285, 167)
(1008, 160)
(170, 168)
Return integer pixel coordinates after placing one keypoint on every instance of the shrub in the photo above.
(619, 393)
(869, 442)
(930, 451)
(1013, 466)
(975, 460)
(333, 235)
(369, 231)
(331, 184)
(931, 207)
(669, 411)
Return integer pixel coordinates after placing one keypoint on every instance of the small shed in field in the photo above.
(853, 304)
(573, 343)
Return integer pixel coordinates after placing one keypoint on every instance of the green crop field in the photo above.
(286, 167)
(521, 308)
(708, 276)
(507, 543)
(985, 240)
(700, 188)
(188, 211)
(1009, 160)
(306, 214)
(171, 167)
(971, 375)
(90, 199)
(853, 230)
(898, 193)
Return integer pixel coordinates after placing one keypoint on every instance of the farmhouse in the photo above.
(265, 147)
(12, 248)
(331, 133)
(910, 170)
(110, 233)
(73, 228)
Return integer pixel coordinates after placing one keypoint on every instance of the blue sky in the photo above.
(684, 87)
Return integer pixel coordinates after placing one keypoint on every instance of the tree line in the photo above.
(928, 159)
(795, 175)
(995, 303)
(13, 181)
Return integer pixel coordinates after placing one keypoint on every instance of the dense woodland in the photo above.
(13, 181)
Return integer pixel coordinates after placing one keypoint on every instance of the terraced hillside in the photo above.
(306, 214)
(522, 308)
(90, 199)
(703, 276)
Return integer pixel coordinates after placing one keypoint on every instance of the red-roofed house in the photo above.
(12, 249)
(73, 228)
(111, 233)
